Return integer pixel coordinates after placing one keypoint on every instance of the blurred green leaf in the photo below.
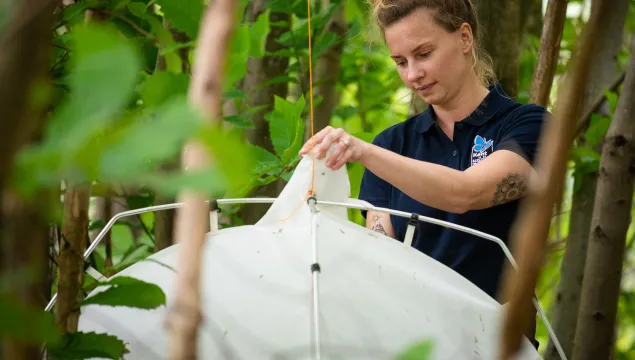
(612, 98)
(597, 129)
(148, 141)
(24, 323)
(80, 345)
(286, 127)
(236, 64)
(258, 32)
(105, 69)
(184, 15)
(129, 292)
(232, 158)
(240, 121)
(163, 86)
(418, 351)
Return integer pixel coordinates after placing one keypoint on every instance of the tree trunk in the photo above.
(327, 73)
(260, 71)
(205, 93)
(501, 22)
(25, 43)
(595, 334)
(567, 298)
(71, 257)
(531, 21)
(529, 235)
(549, 52)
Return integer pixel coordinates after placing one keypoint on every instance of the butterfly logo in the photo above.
(481, 144)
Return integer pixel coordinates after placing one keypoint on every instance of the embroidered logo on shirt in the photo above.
(481, 149)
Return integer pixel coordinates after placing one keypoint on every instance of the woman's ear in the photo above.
(467, 40)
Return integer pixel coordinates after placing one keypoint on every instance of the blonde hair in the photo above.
(450, 15)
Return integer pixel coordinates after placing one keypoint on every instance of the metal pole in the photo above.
(315, 271)
(123, 214)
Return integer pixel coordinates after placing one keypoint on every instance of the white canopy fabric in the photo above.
(376, 295)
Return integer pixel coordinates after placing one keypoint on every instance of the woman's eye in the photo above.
(425, 54)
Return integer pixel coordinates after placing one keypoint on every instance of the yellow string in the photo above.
(311, 189)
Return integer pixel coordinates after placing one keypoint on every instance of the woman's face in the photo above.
(432, 62)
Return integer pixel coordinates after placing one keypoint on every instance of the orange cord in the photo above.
(308, 3)
(311, 189)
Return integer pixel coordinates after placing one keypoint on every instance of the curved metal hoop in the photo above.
(446, 224)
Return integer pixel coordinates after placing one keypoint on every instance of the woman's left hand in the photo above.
(348, 148)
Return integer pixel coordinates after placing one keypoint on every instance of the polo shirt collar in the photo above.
(495, 101)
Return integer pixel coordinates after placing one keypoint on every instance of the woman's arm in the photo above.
(380, 222)
(499, 178)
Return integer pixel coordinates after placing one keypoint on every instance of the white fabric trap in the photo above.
(376, 295)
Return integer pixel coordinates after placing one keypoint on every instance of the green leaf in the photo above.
(150, 140)
(163, 86)
(258, 33)
(586, 159)
(80, 345)
(612, 98)
(211, 182)
(232, 157)
(24, 323)
(184, 15)
(234, 94)
(323, 42)
(102, 82)
(240, 121)
(236, 64)
(286, 127)
(134, 255)
(597, 129)
(418, 351)
(130, 292)
(265, 162)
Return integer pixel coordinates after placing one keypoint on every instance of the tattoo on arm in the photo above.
(512, 187)
(377, 226)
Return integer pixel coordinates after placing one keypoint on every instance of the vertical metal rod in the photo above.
(315, 270)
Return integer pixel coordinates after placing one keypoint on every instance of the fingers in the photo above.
(335, 156)
(342, 160)
(314, 140)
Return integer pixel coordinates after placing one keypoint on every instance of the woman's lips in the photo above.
(425, 88)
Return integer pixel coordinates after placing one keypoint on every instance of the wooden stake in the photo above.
(191, 224)
(532, 227)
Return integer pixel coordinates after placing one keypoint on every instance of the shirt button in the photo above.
(454, 153)
(459, 126)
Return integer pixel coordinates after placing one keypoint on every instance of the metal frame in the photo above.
(313, 203)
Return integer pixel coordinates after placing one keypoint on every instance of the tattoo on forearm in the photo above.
(377, 226)
(513, 186)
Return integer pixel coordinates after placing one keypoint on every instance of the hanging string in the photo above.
(311, 188)
(308, 4)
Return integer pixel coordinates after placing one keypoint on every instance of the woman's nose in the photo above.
(414, 73)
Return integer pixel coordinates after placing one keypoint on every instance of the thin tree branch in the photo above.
(586, 118)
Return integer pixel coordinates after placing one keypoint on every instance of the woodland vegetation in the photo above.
(97, 105)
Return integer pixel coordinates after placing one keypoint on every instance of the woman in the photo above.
(465, 159)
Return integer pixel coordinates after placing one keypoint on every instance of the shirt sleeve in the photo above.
(373, 189)
(522, 131)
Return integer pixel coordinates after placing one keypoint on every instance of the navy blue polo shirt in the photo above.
(498, 123)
